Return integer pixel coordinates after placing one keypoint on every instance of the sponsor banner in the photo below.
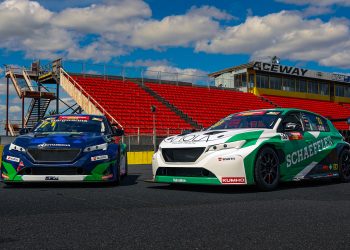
(11, 158)
(99, 157)
(74, 118)
(233, 180)
(288, 70)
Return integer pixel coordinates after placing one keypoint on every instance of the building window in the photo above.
(251, 80)
(238, 81)
(301, 86)
(339, 91)
(288, 84)
(312, 88)
(324, 89)
(275, 82)
(244, 80)
(342, 91)
(262, 81)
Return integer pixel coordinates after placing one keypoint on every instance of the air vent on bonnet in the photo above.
(182, 154)
(214, 132)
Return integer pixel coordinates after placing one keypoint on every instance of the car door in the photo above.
(293, 144)
(322, 159)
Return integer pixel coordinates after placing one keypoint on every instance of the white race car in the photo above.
(260, 147)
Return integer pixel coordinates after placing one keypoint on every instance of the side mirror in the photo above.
(24, 131)
(117, 131)
(291, 126)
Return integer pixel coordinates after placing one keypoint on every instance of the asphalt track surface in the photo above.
(143, 215)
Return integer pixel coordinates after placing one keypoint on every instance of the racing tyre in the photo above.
(266, 171)
(344, 166)
(126, 165)
(117, 180)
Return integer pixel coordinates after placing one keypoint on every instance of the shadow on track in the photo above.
(130, 180)
(243, 188)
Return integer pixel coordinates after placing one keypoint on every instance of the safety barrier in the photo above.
(144, 157)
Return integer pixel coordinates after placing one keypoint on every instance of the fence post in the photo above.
(104, 71)
(142, 76)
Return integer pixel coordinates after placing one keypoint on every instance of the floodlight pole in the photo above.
(153, 110)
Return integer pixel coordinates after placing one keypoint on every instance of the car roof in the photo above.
(284, 111)
(75, 115)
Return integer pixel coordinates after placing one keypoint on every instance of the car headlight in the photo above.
(16, 147)
(96, 147)
(229, 145)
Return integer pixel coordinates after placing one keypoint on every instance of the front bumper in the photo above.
(224, 167)
(26, 171)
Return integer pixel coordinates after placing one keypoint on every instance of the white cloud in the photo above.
(317, 2)
(119, 27)
(119, 16)
(179, 30)
(147, 63)
(285, 34)
(99, 51)
(14, 109)
(171, 73)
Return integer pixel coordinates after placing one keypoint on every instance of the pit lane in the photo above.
(143, 215)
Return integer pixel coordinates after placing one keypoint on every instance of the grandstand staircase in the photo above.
(177, 111)
(22, 80)
(83, 98)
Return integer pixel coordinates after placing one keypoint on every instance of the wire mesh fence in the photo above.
(143, 74)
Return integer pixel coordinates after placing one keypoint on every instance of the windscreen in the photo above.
(251, 119)
(71, 124)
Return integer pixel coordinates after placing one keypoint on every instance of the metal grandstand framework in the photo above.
(40, 85)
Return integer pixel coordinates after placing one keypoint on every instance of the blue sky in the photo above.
(183, 36)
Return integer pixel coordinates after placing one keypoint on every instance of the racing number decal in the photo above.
(284, 137)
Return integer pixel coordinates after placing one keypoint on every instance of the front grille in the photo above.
(184, 172)
(54, 154)
(53, 171)
(182, 154)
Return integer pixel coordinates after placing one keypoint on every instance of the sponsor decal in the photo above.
(233, 180)
(20, 166)
(226, 158)
(179, 180)
(74, 118)
(193, 138)
(4, 176)
(284, 137)
(44, 145)
(294, 136)
(325, 168)
(11, 158)
(335, 167)
(51, 178)
(99, 157)
(251, 113)
(308, 151)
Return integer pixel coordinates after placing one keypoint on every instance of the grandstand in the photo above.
(127, 101)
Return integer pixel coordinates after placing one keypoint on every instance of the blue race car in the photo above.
(73, 148)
